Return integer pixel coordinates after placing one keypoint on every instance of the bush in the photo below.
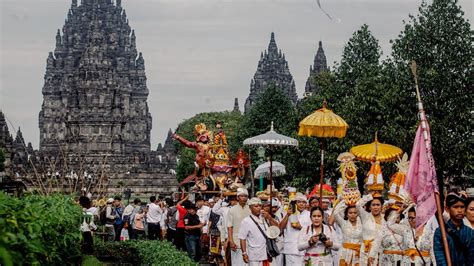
(141, 252)
(38, 230)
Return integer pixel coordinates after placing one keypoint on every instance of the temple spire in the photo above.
(19, 137)
(272, 46)
(319, 65)
(236, 105)
(272, 68)
(58, 39)
(5, 136)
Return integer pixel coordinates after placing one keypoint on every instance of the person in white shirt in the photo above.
(252, 241)
(204, 212)
(155, 219)
(278, 215)
(293, 222)
(234, 219)
(222, 208)
(317, 241)
(88, 225)
(110, 219)
(128, 215)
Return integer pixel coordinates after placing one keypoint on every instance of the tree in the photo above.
(360, 58)
(271, 105)
(230, 122)
(362, 90)
(439, 39)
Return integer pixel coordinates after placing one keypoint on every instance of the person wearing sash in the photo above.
(351, 226)
(372, 222)
(317, 240)
(251, 234)
(276, 217)
(387, 246)
(416, 243)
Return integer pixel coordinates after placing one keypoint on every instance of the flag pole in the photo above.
(424, 126)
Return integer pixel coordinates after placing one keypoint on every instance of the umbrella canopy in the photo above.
(382, 152)
(323, 123)
(327, 191)
(278, 169)
(271, 138)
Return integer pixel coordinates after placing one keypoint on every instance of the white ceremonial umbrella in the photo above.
(278, 169)
(271, 139)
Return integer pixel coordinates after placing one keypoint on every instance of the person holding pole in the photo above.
(460, 237)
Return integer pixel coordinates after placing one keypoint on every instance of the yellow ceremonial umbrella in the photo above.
(323, 123)
(382, 152)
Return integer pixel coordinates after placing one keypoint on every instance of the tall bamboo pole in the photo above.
(424, 126)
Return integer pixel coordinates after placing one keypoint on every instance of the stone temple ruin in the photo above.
(94, 123)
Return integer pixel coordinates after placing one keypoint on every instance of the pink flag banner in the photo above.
(421, 181)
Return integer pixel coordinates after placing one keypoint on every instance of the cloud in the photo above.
(199, 54)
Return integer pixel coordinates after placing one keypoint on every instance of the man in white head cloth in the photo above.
(279, 214)
(252, 241)
(293, 221)
(234, 218)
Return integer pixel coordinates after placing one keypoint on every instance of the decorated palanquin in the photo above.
(214, 170)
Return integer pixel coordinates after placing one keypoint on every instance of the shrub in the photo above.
(141, 252)
(38, 230)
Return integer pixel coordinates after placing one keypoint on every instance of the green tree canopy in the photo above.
(271, 105)
(362, 90)
(439, 39)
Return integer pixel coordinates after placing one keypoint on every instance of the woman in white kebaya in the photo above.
(388, 246)
(372, 223)
(317, 240)
(351, 226)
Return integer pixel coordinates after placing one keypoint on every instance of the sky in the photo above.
(199, 54)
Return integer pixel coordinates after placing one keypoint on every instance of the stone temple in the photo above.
(320, 65)
(95, 122)
(272, 68)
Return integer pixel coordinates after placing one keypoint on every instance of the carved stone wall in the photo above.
(95, 113)
(272, 68)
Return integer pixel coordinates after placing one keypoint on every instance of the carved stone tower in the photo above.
(272, 68)
(95, 93)
(319, 66)
(95, 118)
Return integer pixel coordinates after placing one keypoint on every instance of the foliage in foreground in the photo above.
(38, 230)
(141, 253)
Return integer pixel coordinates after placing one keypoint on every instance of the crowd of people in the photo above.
(236, 230)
